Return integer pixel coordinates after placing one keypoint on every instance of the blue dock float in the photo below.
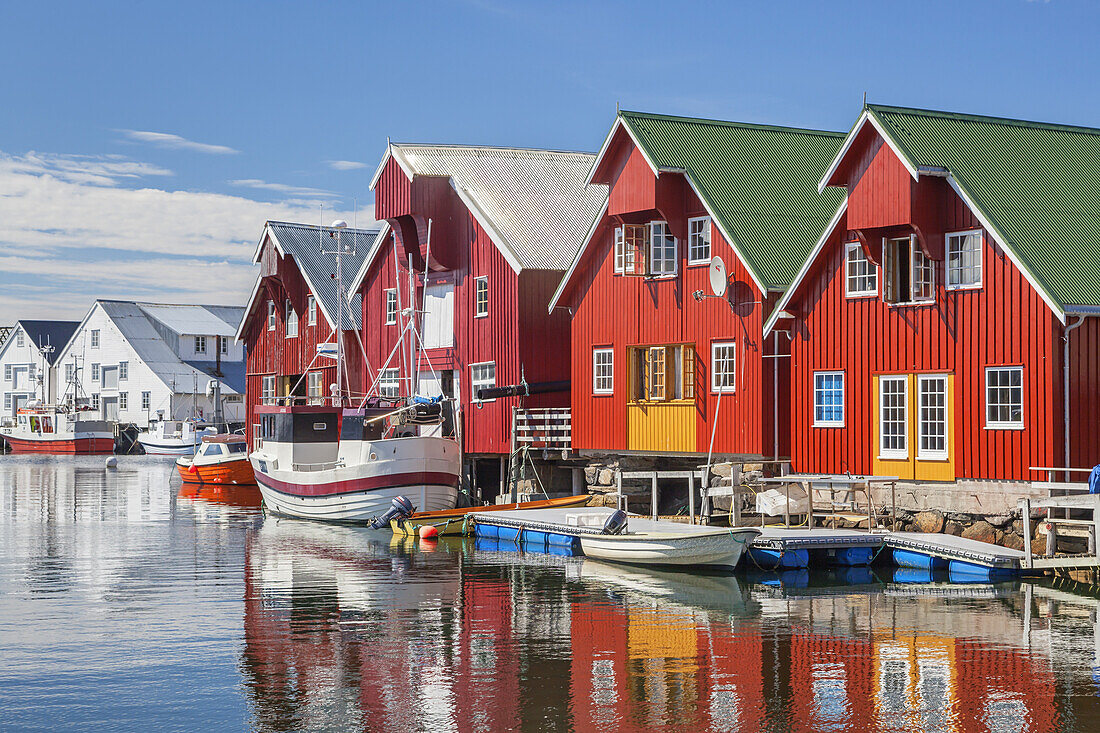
(917, 560)
(968, 558)
(794, 547)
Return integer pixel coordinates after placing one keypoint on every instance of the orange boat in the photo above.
(220, 459)
(449, 521)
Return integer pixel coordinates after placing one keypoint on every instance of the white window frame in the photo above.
(660, 244)
(123, 370)
(948, 268)
(928, 454)
(603, 371)
(311, 310)
(915, 253)
(95, 338)
(19, 339)
(730, 359)
(315, 388)
(223, 345)
(389, 305)
(291, 320)
(123, 399)
(1004, 424)
(476, 383)
(268, 390)
(70, 372)
(200, 344)
(893, 454)
(870, 273)
(95, 372)
(623, 257)
(481, 287)
(146, 400)
(389, 383)
(699, 240)
(820, 390)
(272, 318)
(95, 400)
(7, 372)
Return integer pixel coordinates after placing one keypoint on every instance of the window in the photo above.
(658, 369)
(19, 339)
(389, 384)
(271, 317)
(200, 344)
(603, 371)
(665, 372)
(267, 390)
(391, 306)
(624, 250)
(862, 273)
(894, 417)
(828, 399)
(70, 371)
(1004, 397)
(315, 388)
(964, 259)
(95, 401)
(932, 417)
(482, 376)
(7, 401)
(123, 399)
(7, 372)
(311, 310)
(481, 297)
(95, 372)
(145, 400)
(95, 338)
(699, 240)
(910, 275)
(291, 320)
(662, 250)
(223, 345)
(723, 367)
(124, 370)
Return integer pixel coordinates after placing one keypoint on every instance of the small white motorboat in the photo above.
(174, 437)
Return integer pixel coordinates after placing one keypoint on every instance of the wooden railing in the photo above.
(542, 427)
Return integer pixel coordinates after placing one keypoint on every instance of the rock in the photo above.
(1017, 526)
(981, 531)
(606, 477)
(903, 515)
(722, 469)
(1038, 545)
(960, 517)
(1000, 520)
(590, 474)
(928, 522)
(954, 528)
(601, 490)
(1012, 541)
(863, 524)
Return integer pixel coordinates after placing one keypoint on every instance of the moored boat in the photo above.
(50, 429)
(174, 437)
(221, 459)
(451, 521)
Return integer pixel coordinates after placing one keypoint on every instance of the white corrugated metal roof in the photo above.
(196, 319)
(533, 203)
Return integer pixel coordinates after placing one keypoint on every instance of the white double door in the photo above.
(438, 384)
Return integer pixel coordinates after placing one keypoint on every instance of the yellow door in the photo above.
(912, 419)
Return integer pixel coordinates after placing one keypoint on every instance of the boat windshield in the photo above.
(238, 448)
(214, 449)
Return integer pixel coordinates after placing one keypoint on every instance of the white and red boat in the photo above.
(50, 429)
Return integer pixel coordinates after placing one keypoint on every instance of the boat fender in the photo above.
(616, 523)
(112, 462)
(400, 508)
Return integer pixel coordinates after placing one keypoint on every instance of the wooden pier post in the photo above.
(653, 508)
(1025, 516)
(691, 495)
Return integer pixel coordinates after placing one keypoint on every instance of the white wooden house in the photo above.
(140, 362)
(27, 362)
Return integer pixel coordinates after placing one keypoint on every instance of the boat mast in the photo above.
(339, 225)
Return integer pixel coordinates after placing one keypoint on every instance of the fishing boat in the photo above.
(174, 437)
(39, 428)
(220, 459)
(451, 521)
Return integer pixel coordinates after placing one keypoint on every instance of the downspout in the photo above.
(1065, 389)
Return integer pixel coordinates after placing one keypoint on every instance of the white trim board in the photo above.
(577, 259)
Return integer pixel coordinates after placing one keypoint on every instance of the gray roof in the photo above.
(533, 203)
(54, 333)
(232, 372)
(303, 243)
(213, 320)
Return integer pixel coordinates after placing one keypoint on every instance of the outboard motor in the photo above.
(400, 508)
(615, 524)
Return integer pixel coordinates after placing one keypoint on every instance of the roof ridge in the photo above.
(513, 148)
(990, 119)
(300, 225)
(732, 123)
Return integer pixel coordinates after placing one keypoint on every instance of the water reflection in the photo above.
(127, 602)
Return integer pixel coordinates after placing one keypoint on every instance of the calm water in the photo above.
(126, 604)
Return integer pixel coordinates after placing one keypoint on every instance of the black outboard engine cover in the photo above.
(616, 523)
(400, 508)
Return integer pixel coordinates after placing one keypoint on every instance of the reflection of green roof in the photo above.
(759, 182)
(1037, 184)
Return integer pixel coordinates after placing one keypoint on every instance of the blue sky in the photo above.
(142, 145)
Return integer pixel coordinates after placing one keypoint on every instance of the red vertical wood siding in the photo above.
(393, 194)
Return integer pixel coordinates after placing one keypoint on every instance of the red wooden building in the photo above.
(656, 366)
(293, 308)
(504, 224)
(939, 323)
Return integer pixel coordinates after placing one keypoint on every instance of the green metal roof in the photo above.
(1037, 184)
(759, 182)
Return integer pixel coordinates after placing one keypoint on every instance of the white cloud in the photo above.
(76, 228)
(345, 165)
(168, 140)
(299, 191)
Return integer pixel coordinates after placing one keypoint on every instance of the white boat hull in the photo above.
(720, 549)
(169, 449)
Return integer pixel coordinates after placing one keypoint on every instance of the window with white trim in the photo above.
(603, 371)
(1004, 397)
(389, 383)
(123, 370)
(19, 339)
(7, 401)
(482, 376)
(662, 250)
(908, 272)
(391, 306)
(932, 417)
(723, 366)
(481, 297)
(95, 372)
(272, 318)
(291, 320)
(95, 401)
(894, 417)
(964, 259)
(828, 399)
(862, 274)
(315, 388)
(267, 390)
(70, 371)
(123, 399)
(7, 372)
(95, 338)
(624, 250)
(699, 240)
(311, 310)
(223, 345)
(200, 344)
(659, 373)
(145, 400)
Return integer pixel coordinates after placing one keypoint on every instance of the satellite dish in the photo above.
(718, 278)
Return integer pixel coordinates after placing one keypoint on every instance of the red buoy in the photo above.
(428, 532)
